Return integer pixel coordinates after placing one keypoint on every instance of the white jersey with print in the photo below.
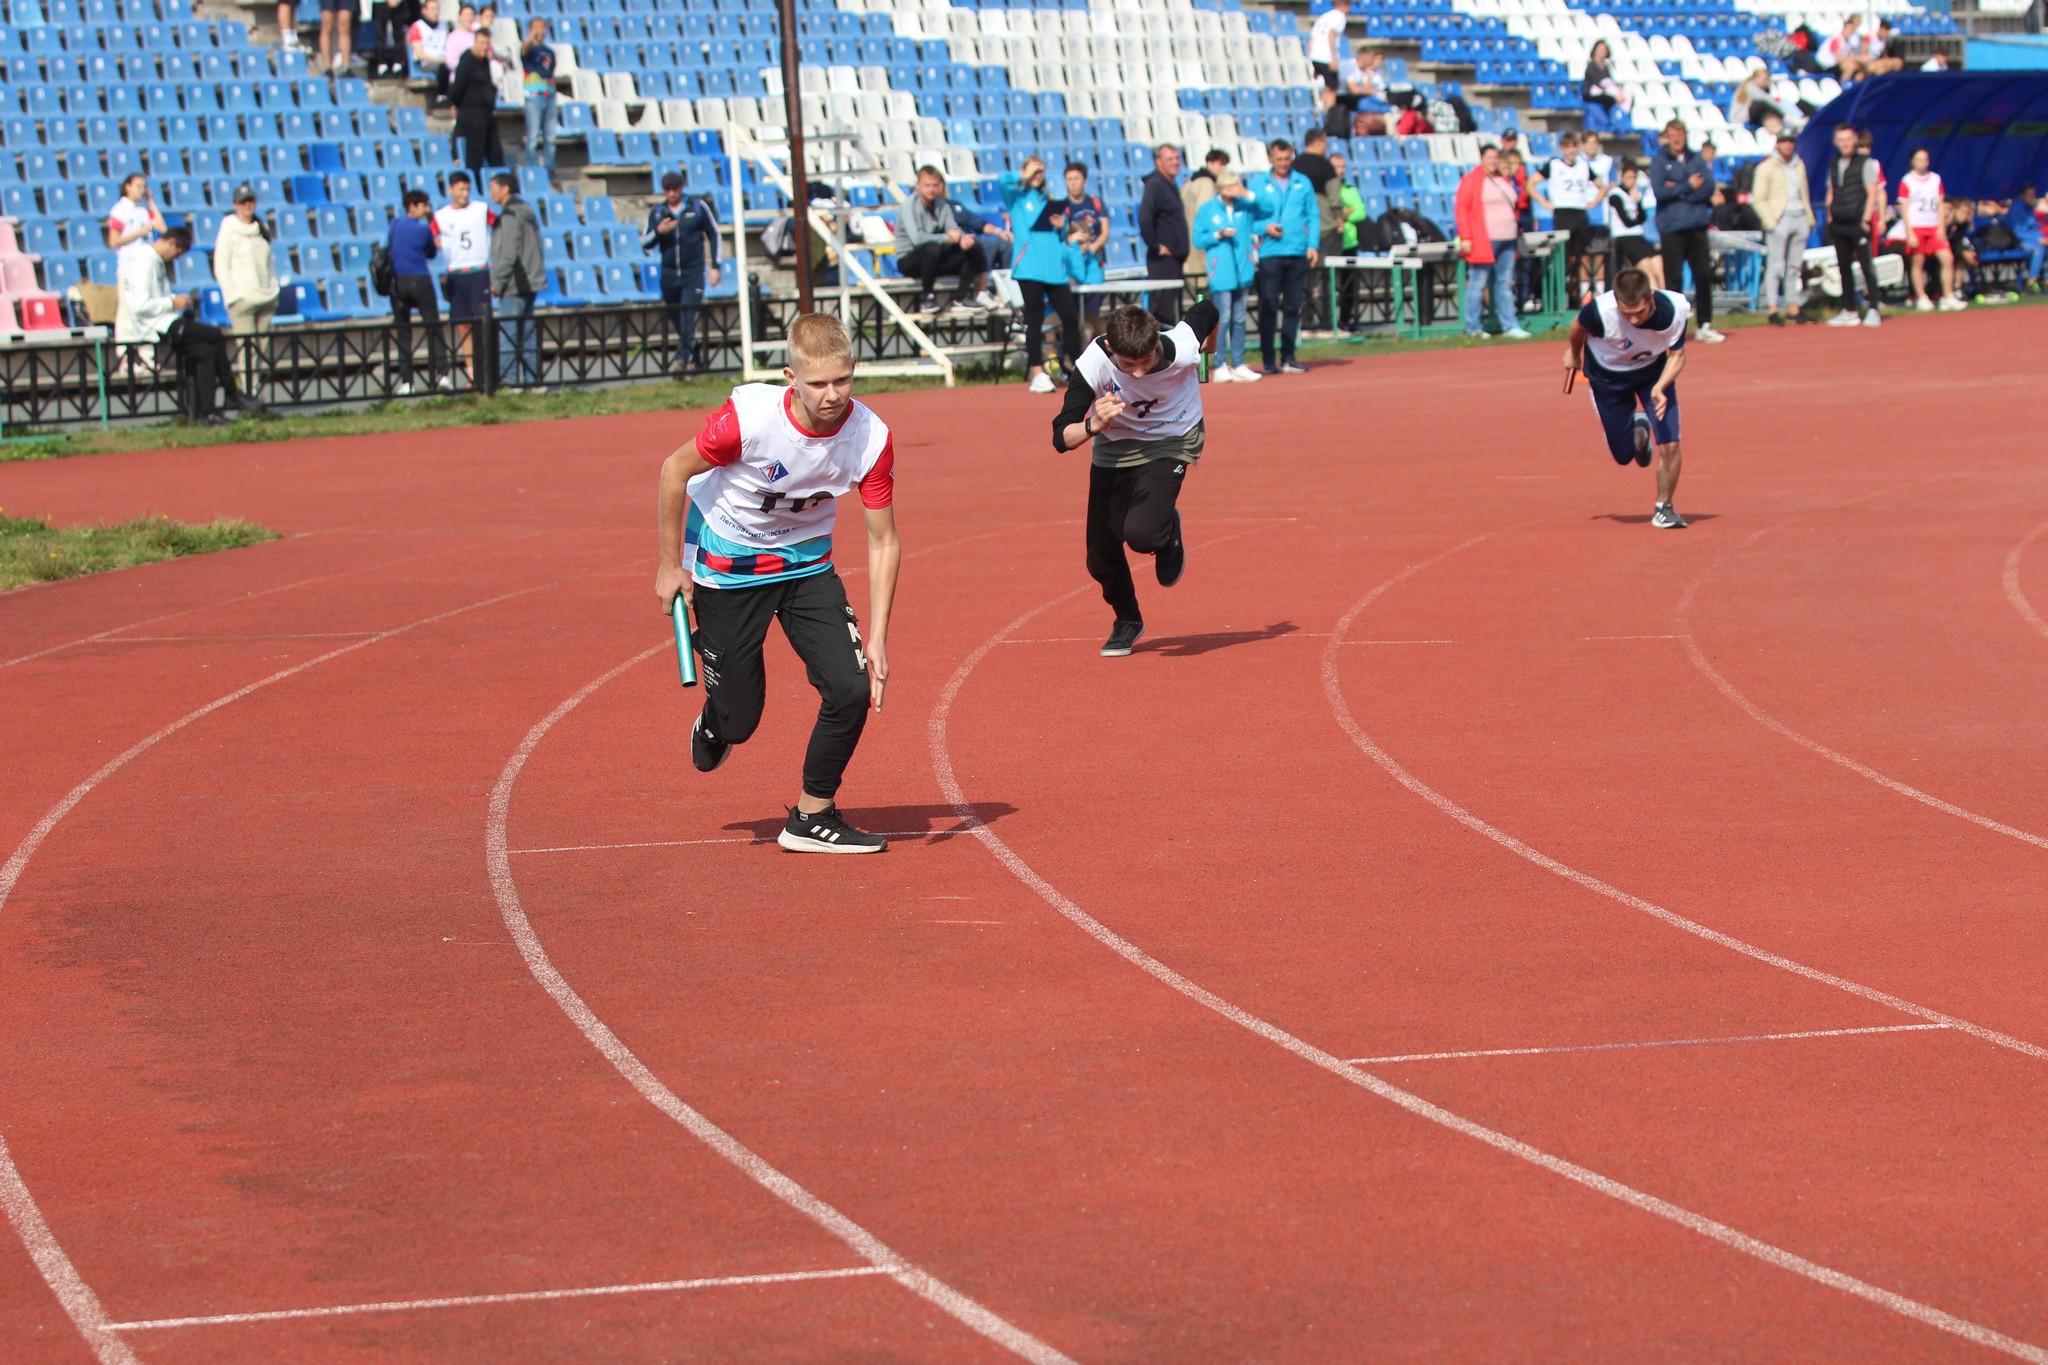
(1622, 346)
(1922, 193)
(1602, 167)
(464, 235)
(1568, 184)
(778, 495)
(1158, 406)
(125, 216)
(1324, 35)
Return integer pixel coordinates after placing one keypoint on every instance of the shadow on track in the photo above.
(1186, 646)
(1643, 519)
(898, 822)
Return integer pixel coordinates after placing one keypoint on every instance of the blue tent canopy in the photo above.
(1985, 132)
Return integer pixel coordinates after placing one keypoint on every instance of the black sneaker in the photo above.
(1666, 518)
(1646, 439)
(707, 753)
(928, 305)
(1172, 561)
(826, 832)
(1776, 319)
(1121, 637)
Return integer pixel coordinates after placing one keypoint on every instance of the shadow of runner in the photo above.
(896, 822)
(1186, 646)
(1633, 519)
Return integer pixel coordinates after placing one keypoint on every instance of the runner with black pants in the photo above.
(759, 485)
(1852, 192)
(1135, 392)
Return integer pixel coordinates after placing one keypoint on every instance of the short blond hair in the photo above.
(819, 336)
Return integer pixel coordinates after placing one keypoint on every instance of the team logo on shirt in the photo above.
(777, 471)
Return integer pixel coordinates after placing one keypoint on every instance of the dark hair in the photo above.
(1217, 154)
(1279, 144)
(1080, 166)
(505, 178)
(1132, 332)
(181, 235)
(130, 179)
(1631, 287)
(932, 171)
(1313, 136)
(417, 197)
(458, 178)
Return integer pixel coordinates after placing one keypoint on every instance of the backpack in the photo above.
(1406, 225)
(778, 239)
(382, 277)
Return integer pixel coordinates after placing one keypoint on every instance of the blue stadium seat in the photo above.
(552, 295)
(305, 303)
(212, 310)
(310, 190)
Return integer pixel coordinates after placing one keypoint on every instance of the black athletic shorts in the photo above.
(1634, 250)
(1574, 222)
(469, 293)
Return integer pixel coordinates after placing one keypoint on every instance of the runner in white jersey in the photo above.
(745, 516)
(1630, 344)
(1920, 200)
(1569, 187)
(1326, 41)
(134, 222)
(462, 237)
(1135, 391)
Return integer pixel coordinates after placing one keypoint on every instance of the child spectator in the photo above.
(537, 61)
(1087, 233)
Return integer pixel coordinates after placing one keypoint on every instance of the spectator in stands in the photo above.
(1754, 102)
(1959, 218)
(1854, 188)
(462, 230)
(337, 35)
(995, 240)
(1163, 226)
(537, 60)
(1513, 167)
(288, 26)
(390, 21)
(1597, 85)
(1487, 234)
(428, 38)
(475, 97)
(930, 242)
(1937, 62)
(518, 270)
(1087, 233)
(685, 234)
(1350, 213)
(1199, 190)
(1226, 230)
(1286, 203)
(1843, 53)
(410, 242)
(245, 267)
(1041, 268)
(487, 24)
(1313, 164)
(1567, 186)
(2024, 218)
(134, 221)
(1627, 213)
(150, 312)
(1878, 56)
(1783, 202)
(1325, 37)
(1684, 188)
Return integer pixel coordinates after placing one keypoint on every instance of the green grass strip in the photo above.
(34, 551)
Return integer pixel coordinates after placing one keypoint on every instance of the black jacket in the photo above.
(472, 91)
(1161, 219)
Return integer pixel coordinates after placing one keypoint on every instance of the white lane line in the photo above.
(1777, 727)
(484, 1300)
(637, 1074)
(1662, 1042)
(233, 639)
(1629, 637)
(79, 1301)
(2013, 592)
(734, 839)
(949, 785)
(1325, 636)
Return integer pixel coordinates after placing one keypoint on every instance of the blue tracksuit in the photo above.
(1230, 258)
(1293, 206)
(1041, 255)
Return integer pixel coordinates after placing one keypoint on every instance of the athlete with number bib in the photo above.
(1630, 344)
(1920, 200)
(1136, 393)
(759, 483)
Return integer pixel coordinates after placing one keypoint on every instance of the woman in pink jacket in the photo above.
(1485, 210)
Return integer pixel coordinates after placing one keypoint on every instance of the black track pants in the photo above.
(732, 625)
(1134, 507)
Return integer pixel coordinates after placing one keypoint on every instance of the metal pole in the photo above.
(799, 169)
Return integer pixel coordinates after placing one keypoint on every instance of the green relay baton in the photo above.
(686, 655)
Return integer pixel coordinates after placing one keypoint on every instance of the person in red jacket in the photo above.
(1485, 214)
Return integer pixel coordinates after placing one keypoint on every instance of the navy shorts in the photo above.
(1618, 395)
(338, 6)
(469, 294)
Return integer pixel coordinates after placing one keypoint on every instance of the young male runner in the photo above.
(1630, 344)
(759, 482)
(1134, 391)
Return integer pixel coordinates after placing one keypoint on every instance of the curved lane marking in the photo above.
(2013, 592)
(80, 1303)
(949, 785)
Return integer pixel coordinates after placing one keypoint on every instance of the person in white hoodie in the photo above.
(149, 312)
(245, 266)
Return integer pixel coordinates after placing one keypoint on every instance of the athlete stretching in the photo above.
(1134, 391)
(759, 482)
(1630, 342)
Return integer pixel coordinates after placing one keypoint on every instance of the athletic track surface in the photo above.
(1474, 926)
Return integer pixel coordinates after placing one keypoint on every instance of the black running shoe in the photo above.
(826, 832)
(1121, 637)
(1646, 439)
(707, 753)
(1172, 561)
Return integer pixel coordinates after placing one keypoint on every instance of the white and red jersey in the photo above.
(125, 216)
(763, 513)
(464, 235)
(1921, 194)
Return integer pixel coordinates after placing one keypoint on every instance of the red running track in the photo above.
(1474, 926)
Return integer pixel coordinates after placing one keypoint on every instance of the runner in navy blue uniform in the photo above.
(1630, 344)
(1135, 392)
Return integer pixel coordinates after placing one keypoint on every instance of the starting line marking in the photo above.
(476, 1300)
(1665, 1042)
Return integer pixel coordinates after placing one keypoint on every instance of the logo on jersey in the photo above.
(777, 471)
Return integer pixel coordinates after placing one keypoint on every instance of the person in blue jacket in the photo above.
(1287, 252)
(1041, 268)
(1683, 184)
(1225, 228)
